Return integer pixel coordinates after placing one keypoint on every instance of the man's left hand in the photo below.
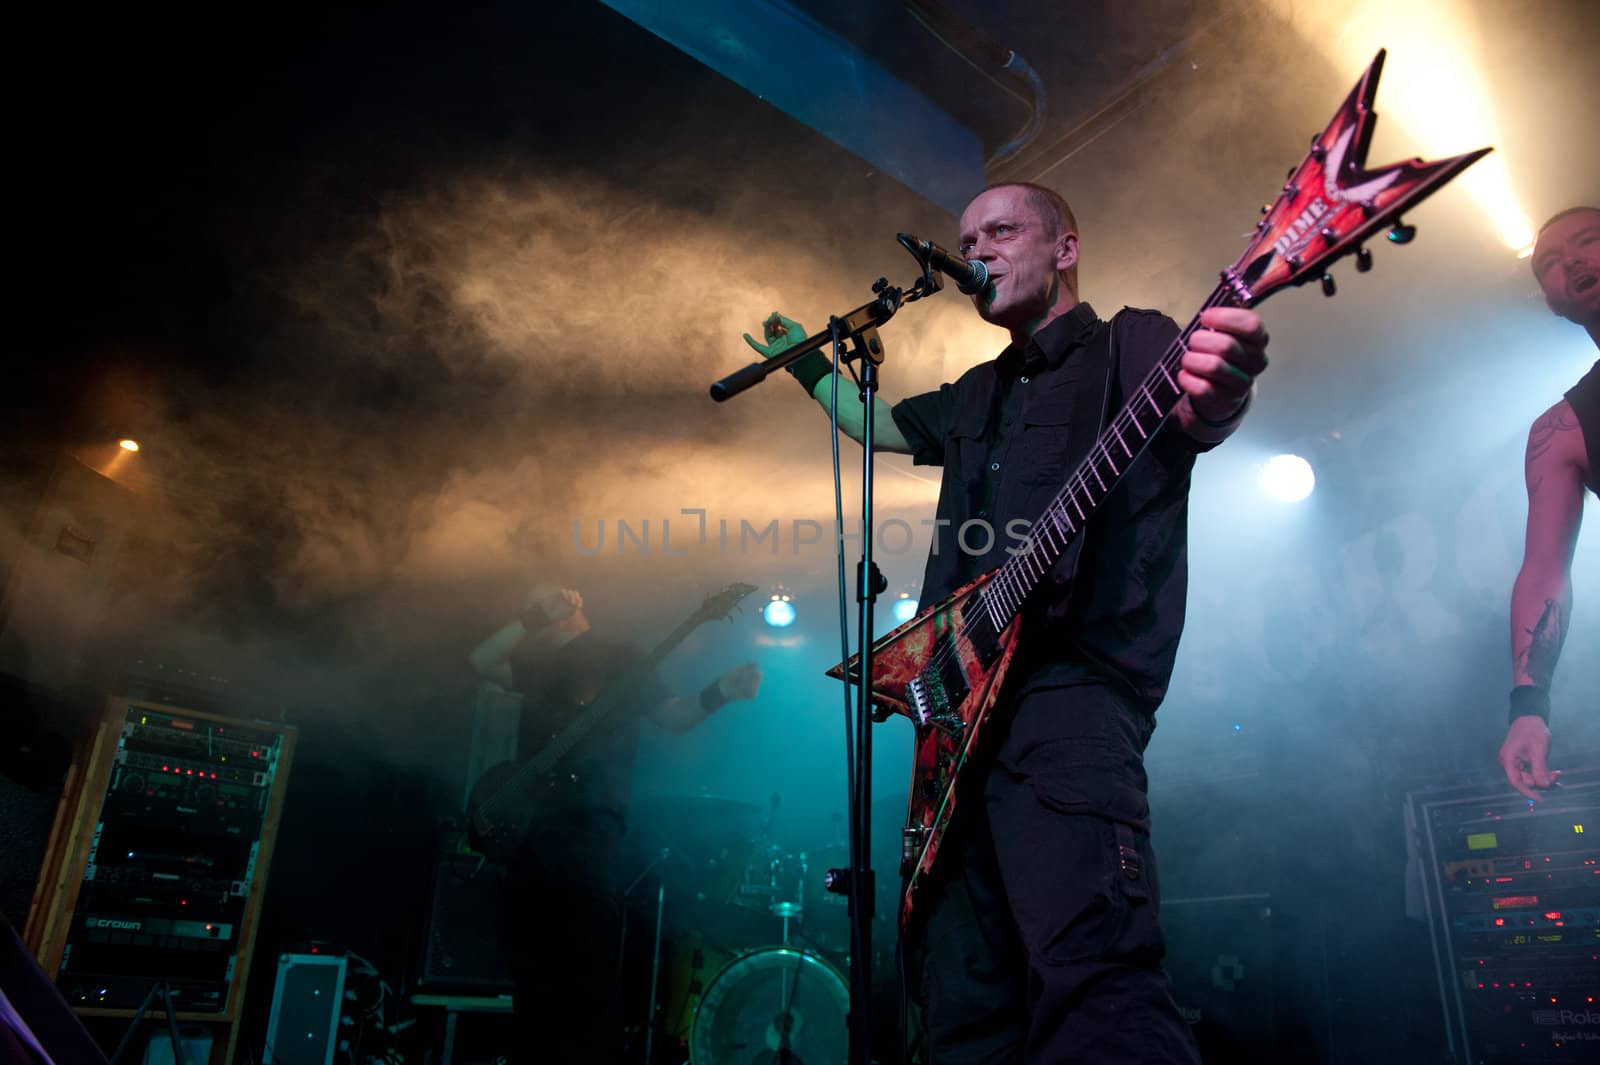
(740, 682)
(1525, 756)
(1222, 361)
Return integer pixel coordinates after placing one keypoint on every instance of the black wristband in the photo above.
(810, 368)
(1530, 700)
(711, 697)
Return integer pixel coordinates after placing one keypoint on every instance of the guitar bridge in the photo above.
(911, 839)
(931, 704)
(917, 698)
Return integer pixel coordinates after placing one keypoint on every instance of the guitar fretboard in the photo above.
(1120, 443)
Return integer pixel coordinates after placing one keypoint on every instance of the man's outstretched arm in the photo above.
(784, 333)
(1541, 598)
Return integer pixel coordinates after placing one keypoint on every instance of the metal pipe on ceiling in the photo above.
(989, 58)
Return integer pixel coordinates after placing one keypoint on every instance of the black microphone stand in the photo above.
(858, 328)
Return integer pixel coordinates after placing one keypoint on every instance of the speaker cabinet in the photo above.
(462, 944)
(1220, 958)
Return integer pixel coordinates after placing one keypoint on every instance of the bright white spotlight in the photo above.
(904, 609)
(779, 612)
(1286, 478)
(128, 445)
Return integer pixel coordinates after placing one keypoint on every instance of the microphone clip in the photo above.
(930, 281)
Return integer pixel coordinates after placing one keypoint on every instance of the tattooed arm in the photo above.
(1541, 600)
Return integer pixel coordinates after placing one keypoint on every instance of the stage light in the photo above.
(904, 609)
(1286, 478)
(128, 445)
(779, 611)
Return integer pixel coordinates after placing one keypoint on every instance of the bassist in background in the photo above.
(1040, 941)
(563, 913)
(1563, 458)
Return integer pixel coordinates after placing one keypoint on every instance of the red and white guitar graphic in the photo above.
(944, 668)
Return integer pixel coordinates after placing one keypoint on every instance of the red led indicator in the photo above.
(1499, 922)
(1512, 902)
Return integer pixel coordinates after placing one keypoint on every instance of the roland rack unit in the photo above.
(1511, 891)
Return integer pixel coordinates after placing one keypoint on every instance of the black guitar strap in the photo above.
(1092, 409)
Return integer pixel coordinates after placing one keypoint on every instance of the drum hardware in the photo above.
(735, 1016)
(655, 950)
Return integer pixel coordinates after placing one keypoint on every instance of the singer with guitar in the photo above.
(1038, 940)
(559, 829)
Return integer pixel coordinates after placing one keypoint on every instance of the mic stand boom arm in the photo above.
(859, 326)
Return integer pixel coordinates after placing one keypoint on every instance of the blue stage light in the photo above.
(779, 612)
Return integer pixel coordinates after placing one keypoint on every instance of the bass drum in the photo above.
(776, 1005)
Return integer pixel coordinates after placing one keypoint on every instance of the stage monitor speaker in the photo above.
(462, 946)
(1220, 958)
(307, 1003)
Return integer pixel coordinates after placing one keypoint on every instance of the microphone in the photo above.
(970, 275)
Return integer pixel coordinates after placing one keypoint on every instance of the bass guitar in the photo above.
(508, 796)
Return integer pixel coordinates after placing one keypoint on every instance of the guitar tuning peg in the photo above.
(1400, 233)
(1266, 207)
(1317, 150)
(1290, 174)
(1363, 260)
(1329, 286)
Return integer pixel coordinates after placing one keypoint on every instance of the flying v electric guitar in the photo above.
(944, 668)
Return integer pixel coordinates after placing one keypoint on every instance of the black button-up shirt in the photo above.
(1004, 433)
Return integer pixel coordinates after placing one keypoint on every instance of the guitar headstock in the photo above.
(721, 604)
(1332, 203)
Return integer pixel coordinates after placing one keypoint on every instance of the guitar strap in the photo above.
(1092, 408)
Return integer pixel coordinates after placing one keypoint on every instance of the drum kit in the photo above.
(752, 949)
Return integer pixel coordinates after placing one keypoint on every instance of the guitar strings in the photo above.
(1004, 596)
